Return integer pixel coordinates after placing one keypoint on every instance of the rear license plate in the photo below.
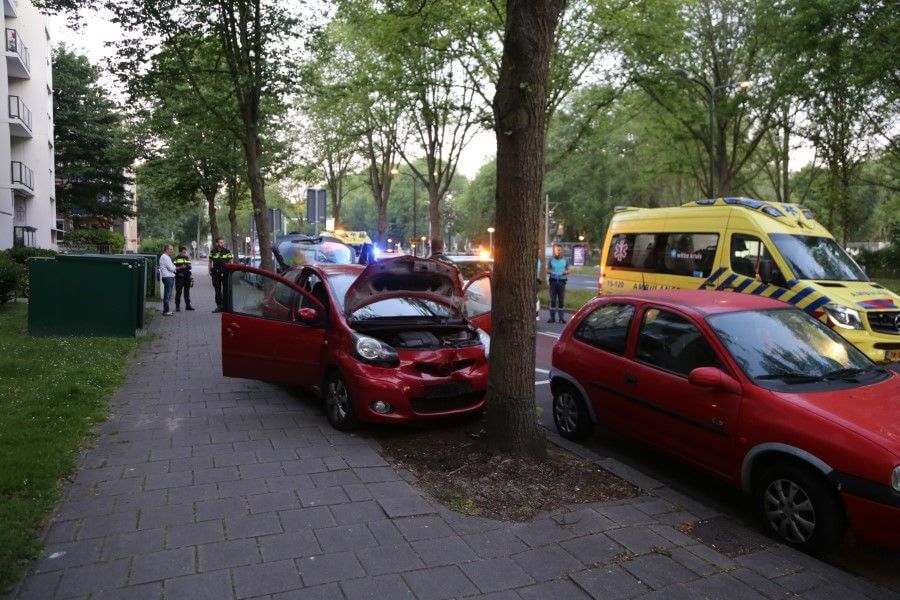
(447, 390)
(892, 355)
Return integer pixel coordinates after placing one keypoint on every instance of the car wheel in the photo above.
(570, 414)
(339, 404)
(800, 508)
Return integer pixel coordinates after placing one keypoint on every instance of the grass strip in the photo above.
(52, 391)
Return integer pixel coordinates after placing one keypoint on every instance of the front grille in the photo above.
(436, 405)
(443, 369)
(885, 322)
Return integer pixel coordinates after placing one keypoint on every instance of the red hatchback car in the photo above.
(386, 342)
(751, 390)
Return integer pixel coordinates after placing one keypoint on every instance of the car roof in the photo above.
(332, 269)
(703, 302)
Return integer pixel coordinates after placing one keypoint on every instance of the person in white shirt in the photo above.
(167, 276)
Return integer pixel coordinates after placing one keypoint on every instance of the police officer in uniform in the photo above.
(182, 279)
(218, 258)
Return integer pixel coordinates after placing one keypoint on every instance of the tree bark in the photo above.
(211, 211)
(520, 117)
(233, 194)
(258, 196)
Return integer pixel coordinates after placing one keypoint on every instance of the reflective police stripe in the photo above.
(744, 285)
(817, 304)
(800, 295)
(710, 281)
(762, 288)
(778, 293)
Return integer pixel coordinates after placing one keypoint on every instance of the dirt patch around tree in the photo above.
(455, 465)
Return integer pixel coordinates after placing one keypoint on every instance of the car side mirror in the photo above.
(307, 315)
(711, 377)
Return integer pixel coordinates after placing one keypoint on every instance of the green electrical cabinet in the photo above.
(86, 295)
(151, 272)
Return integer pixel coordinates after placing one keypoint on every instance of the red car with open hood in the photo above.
(386, 342)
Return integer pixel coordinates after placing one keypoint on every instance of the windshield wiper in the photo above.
(791, 377)
(845, 373)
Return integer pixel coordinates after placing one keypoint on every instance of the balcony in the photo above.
(19, 118)
(18, 59)
(11, 8)
(22, 180)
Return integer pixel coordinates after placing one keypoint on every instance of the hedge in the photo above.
(96, 237)
(11, 274)
(154, 246)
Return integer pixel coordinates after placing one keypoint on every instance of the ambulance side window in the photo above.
(748, 254)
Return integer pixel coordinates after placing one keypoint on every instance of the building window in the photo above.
(23, 236)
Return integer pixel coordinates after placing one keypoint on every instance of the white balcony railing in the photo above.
(22, 175)
(19, 112)
(14, 44)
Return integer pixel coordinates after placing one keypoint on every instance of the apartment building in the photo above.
(27, 182)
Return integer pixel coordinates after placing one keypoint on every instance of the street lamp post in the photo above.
(711, 103)
(491, 231)
(394, 172)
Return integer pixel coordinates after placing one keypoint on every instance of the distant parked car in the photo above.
(753, 391)
(471, 265)
(386, 342)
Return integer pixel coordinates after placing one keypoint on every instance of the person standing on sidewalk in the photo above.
(558, 272)
(218, 258)
(183, 279)
(167, 276)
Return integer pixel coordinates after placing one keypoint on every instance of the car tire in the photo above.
(339, 403)
(800, 508)
(570, 413)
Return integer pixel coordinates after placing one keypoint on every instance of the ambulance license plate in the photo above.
(892, 355)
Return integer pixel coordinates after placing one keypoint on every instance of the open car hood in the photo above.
(405, 277)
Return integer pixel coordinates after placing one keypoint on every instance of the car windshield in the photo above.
(817, 258)
(470, 268)
(340, 284)
(786, 345)
(391, 308)
(306, 252)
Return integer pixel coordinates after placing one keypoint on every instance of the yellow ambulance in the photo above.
(749, 246)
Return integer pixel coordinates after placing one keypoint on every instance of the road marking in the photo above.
(555, 336)
(544, 371)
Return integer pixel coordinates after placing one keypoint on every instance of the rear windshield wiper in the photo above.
(791, 377)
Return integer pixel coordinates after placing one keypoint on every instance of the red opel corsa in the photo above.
(387, 342)
(751, 390)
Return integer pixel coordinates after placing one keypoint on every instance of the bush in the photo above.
(154, 246)
(881, 263)
(96, 237)
(11, 274)
(21, 254)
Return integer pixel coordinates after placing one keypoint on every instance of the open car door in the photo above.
(266, 335)
(478, 295)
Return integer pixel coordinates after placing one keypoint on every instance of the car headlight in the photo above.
(895, 478)
(485, 340)
(843, 317)
(375, 352)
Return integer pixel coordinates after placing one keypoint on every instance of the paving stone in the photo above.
(194, 534)
(61, 532)
(464, 524)
(439, 583)
(376, 588)
(496, 574)
(304, 466)
(141, 500)
(389, 559)
(206, 586)
(711, 556)
(768, 564)
(218, 509)
(557, 590)
(345, 537)
(333, 478)
(162, 565)
(104, 525)
(673, 535)
(169, 480)
(289, 483)
(584, 521)
(547, 563)
(169, 453)
(224, 555)
(119, 486)
(385, 533)
(39, 586)
(261, 470)
(329, 591)
(626, 515)
(93, 578)
(296, 544)
(144, 591)
(494, 544)
(323, 496)
(721, 586)
(760, 584)
(800, 582)
(162, 516)
(263, 503)
(69, 554)
(242, 488)
(594, 549)
(444, 551)
(833, 592)
(216, 475)
(639, 540)
(376, 474)
(357, 492)
(609, 583)
(357, 512)
(265, 578)
(658, 571)
(541, 532)
(245, 526)
(307, 518)
(693, 562)
(91, 507)
(327, 568)
(423, 528)
(193, 493)
(137, 543)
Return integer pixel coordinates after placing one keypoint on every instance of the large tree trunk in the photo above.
(233, 194)
(520, 117)
(211, 211)
(257, 193)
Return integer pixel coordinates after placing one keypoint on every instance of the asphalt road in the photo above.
(582, 282)
(873, 563)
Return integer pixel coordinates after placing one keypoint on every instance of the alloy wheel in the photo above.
(789, 511)
(565, 409)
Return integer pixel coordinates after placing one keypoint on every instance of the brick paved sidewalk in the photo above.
(205, 487)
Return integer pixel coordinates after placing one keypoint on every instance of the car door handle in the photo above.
(630, 379)
(233, 328)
